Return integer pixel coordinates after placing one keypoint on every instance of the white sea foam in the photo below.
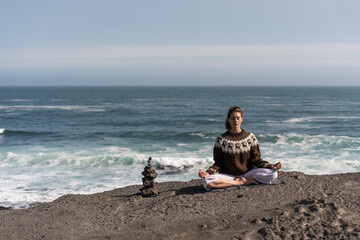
(297, 120)
(307, 119)
(42, 176)
(338, 117)
(39, 174)
(313, 154)
(32, 176)
(2, 130)
(18, 100)
(198, 134)
(97, 158)
(205, 135)
(182, 144)
(95, 110)
(26, 188)
(179, 161)
(298, 147)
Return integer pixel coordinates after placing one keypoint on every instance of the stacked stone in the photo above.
(149, 189)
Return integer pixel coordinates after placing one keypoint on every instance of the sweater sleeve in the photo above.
(255, 158)
(218, 158)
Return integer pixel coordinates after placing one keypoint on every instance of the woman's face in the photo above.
(235, 120)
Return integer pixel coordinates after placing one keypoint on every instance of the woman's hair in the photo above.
(232, 109)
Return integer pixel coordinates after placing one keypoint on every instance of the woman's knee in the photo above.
(216, 183)
(265, 176)
(210, 185)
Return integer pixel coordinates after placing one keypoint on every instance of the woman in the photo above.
(237, 158)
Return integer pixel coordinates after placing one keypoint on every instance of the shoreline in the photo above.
(304, 206)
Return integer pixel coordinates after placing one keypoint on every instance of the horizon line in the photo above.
(180, 85)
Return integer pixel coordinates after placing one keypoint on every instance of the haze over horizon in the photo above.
(180, 43)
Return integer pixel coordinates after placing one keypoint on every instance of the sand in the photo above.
(304, 207)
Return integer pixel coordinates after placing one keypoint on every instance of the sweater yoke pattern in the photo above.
(234, 145)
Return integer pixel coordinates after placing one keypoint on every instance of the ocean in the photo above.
(81, 140)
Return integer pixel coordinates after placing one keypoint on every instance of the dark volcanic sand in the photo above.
(304, 207)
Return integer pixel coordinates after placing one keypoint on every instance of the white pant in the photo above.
(262, 175)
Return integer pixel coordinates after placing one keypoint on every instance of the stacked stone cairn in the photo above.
(149, 189)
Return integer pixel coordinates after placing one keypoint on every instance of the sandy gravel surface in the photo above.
(304, 207)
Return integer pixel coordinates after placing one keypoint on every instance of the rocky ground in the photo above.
(303, 207)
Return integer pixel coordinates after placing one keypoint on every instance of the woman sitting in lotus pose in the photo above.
(237, 158)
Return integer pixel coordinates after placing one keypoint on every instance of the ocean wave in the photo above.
(38, 174)
(285, 138)
(98, 158)
(180, 161)
(95, 110)
(297, 120)
(287, 147)
(318, 118)
(182, 144)
(6, 132)
(18, 100)
(87, 170)
(202, 134)
(54, 107)
(312, 154)
(64, 159)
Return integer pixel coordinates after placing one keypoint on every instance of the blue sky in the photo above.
(86, 42)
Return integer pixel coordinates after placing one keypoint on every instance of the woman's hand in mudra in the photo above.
(203, 174)
(276, 166)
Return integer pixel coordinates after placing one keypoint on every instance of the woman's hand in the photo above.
(276, 166)
(203, 174)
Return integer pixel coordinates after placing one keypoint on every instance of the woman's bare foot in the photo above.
(239, 181)
(224, 183)
(250, 180)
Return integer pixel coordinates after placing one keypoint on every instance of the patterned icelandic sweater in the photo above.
(236, 154)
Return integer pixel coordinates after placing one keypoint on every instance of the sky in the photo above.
(180, 42)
